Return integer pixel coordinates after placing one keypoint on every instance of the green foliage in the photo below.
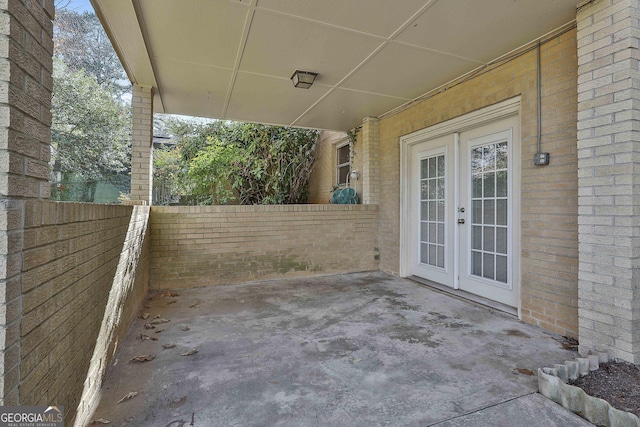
(90, 126)
(246, 163)
(209, 171)
(91, 123)
(167, 172)
(81, 43)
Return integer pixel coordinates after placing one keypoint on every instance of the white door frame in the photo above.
(454, 126)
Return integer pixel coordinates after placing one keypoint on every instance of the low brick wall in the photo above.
(204, 245)
(71, 255)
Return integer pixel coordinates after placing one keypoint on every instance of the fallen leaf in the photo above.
(143, 358)
(159, 321)
(128, 396)
(144, 316)
(190, 352)
(170, 294)
(173, 301)
(100, 421)
(523, 371)
(195, 304)
(159, 330)
(168, 345)
(185, 327)
(144, 337)
(149, 326)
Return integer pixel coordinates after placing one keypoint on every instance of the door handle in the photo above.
(460, 220)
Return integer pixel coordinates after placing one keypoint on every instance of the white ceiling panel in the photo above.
(258, 98)
(344, 109)
(278, 44)
(212, 36)
(425, 71)
(207, 84)
(353, 14)
(232, 59)
(484, 30)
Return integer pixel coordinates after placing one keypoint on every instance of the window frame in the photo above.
(340, 166)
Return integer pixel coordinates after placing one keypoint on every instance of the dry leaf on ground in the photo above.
(195, 304)
(145, 316)
(173, 301)
(159, 330)
(144, 358)
(190, 352)
(185, 327)
(149, 326)
(159, 321)
(168, 345)
(100, 421)
(128, 396)
(170, 294)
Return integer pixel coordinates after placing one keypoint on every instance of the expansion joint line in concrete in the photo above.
(473, 411)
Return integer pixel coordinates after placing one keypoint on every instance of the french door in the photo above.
(462, 209)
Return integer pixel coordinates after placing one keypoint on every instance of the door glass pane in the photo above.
(476, 218)
(487, 266)
(501, 211)
(489, 239)
(489, 184)
(501, 240)
(501, 268)
(489, 211)
(476, 237)
(501, 183)
(476, 263)
(424, 211)
(432, 211)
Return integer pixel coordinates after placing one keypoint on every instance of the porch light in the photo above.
(303, 79)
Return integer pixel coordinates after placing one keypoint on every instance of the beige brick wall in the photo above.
(608, 146)
(323, 176)
(141, 144)
(26, 33)
(549, 258)
(205, 245)
(71, 254)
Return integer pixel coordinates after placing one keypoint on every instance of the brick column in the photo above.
(371, 161)
(609, 177)
(142, 145)
(26, 46)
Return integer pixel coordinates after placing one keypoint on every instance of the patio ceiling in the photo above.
(232, 59)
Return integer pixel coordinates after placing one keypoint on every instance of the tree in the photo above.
(90, 127)
(81, 43)
(250, 163)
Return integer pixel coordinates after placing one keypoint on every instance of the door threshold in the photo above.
(458, 293)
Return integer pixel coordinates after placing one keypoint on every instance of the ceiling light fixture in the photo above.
(303, 79)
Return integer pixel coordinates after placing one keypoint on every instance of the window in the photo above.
(343, 165)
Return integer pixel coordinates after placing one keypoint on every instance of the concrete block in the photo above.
(572, 398)
(573, 369)
(562, 370)
(618, 418)
(594, 362)
(583, 363)
(596, 411)
(549, 386)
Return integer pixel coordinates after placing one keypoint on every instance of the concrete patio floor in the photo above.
(362, 349)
